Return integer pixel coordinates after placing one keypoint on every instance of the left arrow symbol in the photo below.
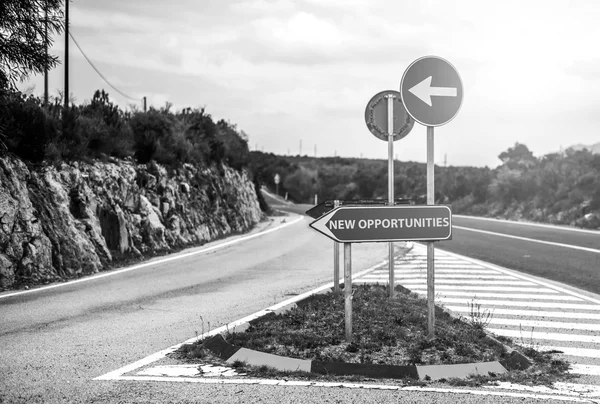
(424, 91)
(320, 225)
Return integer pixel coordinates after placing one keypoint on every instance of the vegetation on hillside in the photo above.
(555, 188)
(99, 129)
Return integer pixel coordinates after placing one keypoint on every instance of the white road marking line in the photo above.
(552, 336)
(457, 264)
(552, 243)
(590, 370)
(575, 306)
(268, 382)
(476, 295)
(545, 324)
(475, 288)
(118, 374)
(419, 265)
(475, 282)
(571, 389)
(455, 276)
(532, 313)
(569, 351)
(402, 271)
(156, 262)
(190, 370)
(419, 281)
(507, 272)
(549, 226)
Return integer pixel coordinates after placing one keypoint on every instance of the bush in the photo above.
(27, 130)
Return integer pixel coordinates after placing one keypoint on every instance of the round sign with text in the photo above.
(376, 116)
(431, 91)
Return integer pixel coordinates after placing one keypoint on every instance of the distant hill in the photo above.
(595, 148)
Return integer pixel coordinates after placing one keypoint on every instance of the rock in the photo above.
(7, 274)
(57, 223)
(516, 361)
(153, 231)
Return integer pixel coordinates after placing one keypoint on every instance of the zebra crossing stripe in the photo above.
(492, 289)
(560, 305)
(452, 276)
(590, 370)
(569, 351)
(553, 336)
(403, 271)
(474, 282)
(545, 324)
(531, 313)
(503, 295)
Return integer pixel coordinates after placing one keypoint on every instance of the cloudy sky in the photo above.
(291, 71)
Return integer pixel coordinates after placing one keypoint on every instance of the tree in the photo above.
(23, 40)
(518, 156)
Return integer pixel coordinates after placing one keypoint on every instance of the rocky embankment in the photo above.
(80, 218)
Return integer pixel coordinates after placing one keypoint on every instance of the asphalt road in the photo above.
(54, 342)
(562, 263)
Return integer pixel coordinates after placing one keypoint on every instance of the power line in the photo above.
(98, 71)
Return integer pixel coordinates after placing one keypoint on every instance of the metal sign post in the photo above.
(375, 118)
(430, 246)
(336, 259)
(348, 290)
(390, 126)
(432, 93)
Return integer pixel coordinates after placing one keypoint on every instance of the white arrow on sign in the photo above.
(424, 91)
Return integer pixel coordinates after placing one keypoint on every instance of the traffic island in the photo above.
(389, 341)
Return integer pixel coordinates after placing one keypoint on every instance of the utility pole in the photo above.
(445, 160)
(46, 62)
(315, 151)
(144, 104)
(66, 54)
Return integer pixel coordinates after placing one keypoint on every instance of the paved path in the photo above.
(529, 310)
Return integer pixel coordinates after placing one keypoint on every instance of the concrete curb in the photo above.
(218, 346)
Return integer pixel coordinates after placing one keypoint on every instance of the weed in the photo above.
(478, 318)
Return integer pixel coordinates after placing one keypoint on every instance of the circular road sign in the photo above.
(376, 116)
(431, 91)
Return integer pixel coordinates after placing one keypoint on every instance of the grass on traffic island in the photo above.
(386, 332)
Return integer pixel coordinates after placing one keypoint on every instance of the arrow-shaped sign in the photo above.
(364, 224)
(424, 91)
